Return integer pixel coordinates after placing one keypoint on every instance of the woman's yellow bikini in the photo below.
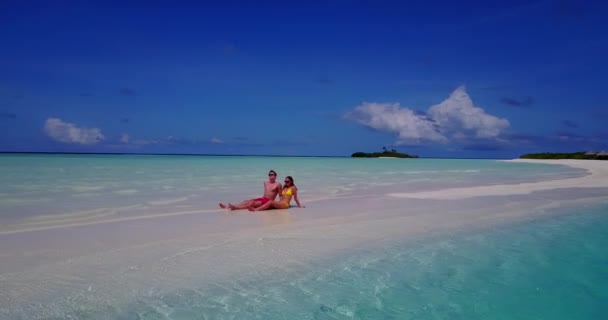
(286, 192)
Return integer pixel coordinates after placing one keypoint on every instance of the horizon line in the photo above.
(222, 155)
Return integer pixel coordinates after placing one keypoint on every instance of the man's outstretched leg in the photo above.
(243, 205)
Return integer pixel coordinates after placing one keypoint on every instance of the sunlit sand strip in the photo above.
(27, 228)
(86, 218)
(70, 217)
(597, 178)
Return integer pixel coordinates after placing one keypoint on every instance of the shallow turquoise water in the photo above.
(554, 267)
(57, 184)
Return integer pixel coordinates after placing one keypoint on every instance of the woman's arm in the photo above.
(295, 197)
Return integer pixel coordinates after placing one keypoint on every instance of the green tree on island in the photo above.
(582, 155)
(385, 154)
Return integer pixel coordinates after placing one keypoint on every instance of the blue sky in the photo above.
(432, 78)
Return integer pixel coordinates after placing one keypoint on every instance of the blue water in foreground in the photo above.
(553, 267)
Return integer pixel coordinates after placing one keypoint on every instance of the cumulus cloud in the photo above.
(458, 115)
(456, 118)
(66, 132)
(409, 126)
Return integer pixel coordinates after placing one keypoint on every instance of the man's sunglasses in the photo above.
(271, 174)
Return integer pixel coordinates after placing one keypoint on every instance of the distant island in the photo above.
(589, 155)
(384, 154)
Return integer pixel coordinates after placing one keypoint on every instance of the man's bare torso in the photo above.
(271, 189)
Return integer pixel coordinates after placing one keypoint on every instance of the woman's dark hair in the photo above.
(290, 180)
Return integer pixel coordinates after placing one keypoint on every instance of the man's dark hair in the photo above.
(272, 171)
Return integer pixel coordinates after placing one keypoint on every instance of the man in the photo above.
(271, 189)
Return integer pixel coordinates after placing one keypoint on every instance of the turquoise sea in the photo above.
(550, 268)
(59, 184)
(78, 240)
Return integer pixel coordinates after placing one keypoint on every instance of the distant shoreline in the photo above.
(170, 154)
(384, 154)
(218, 155)
(581, 155)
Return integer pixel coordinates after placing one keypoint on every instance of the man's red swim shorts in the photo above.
(263, 200)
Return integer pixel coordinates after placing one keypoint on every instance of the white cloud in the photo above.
(409, 126)
(460, 117)
(66, 132)
(456, 118)
(215, 140)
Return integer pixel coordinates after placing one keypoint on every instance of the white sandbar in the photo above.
(597, 178)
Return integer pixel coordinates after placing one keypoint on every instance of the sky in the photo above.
(451, 79)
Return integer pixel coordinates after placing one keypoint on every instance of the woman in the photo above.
(289, 190)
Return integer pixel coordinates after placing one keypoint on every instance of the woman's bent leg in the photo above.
(270, 204)
(265, 206)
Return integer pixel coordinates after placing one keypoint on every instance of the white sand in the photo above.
(597, 178)
(93, 263)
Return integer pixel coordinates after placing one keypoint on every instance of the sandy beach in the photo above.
(597, 178)
(120, 259)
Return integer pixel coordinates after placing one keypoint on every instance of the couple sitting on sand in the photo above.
(272, 188)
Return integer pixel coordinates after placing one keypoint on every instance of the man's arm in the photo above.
(279, 189)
